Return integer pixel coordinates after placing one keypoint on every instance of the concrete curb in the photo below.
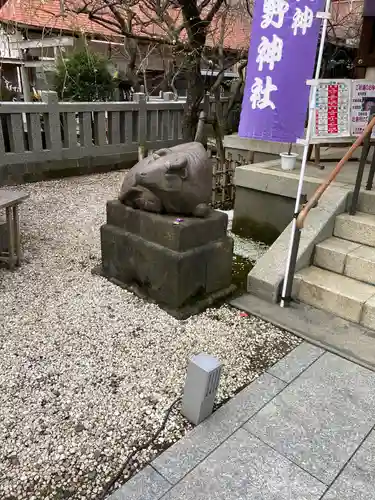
(348, 340)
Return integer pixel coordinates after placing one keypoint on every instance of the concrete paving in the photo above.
(302, 431)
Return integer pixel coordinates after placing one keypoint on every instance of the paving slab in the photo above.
(245, 468)
(146, 485)
(321, 418)
(357, 481)
(294, 363)
(182, 457)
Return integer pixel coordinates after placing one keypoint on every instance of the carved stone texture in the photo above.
(177, 180)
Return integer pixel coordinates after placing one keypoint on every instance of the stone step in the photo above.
(347, 258)
(345, 297)
(366, 202)
(359, 228)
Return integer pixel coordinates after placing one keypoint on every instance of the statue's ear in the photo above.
(161, 152)
(177, 163)
(178, 167)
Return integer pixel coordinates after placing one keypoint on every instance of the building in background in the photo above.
(366, 54)
(29, 42)
(343, 36)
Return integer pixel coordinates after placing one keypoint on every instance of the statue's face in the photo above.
(165, 174)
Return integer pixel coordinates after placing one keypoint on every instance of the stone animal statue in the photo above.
(177, 180)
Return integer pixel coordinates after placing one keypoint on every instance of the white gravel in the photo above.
(86, 368)
(244, 247)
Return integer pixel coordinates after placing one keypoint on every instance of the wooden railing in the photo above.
(53, 130)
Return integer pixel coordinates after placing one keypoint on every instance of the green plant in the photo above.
(6, 94)
(84, 76)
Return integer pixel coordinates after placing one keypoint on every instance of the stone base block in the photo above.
(181, 264)
(167, 230)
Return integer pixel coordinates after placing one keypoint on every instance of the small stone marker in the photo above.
(202, 382)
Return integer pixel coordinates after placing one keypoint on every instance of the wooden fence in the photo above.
(53, 130)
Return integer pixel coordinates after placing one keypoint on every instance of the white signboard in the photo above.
(363, 98)
(332, 109)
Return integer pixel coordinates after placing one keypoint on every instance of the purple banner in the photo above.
(282, 53)
(369, 8)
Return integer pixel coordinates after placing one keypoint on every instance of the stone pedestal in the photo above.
(183, 265)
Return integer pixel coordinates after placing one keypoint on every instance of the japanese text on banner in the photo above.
(278, 62)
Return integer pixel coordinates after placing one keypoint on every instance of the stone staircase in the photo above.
(342, 277)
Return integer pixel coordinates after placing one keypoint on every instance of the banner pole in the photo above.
(295, 234)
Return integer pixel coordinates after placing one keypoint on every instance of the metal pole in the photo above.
(290, 267)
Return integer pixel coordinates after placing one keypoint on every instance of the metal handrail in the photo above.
(323, 187)
(300, 217)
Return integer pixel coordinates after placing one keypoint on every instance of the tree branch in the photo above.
(214, 10)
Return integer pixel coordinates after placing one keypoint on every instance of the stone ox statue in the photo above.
(173, 181)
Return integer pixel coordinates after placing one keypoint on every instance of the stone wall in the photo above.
(260, 215)
(38, 171)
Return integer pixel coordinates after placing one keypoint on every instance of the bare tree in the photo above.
(346, 21)
(180, 29)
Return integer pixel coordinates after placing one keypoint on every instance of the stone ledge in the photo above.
(263, 177)
(270, 147)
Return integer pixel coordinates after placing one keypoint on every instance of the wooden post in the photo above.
(17, 236)
(142, 124)
(52, 124)
(25, 84)
(10, 229)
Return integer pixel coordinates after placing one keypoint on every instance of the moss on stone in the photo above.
(240, 269)
(246, 227)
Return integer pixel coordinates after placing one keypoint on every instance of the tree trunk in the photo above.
(196, 29)
(195, 94)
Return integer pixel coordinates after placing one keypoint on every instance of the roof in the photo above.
(46, 15)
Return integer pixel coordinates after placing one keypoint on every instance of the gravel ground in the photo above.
(243, 247)
(87, 370)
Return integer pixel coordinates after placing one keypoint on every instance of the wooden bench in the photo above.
(10, 201)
